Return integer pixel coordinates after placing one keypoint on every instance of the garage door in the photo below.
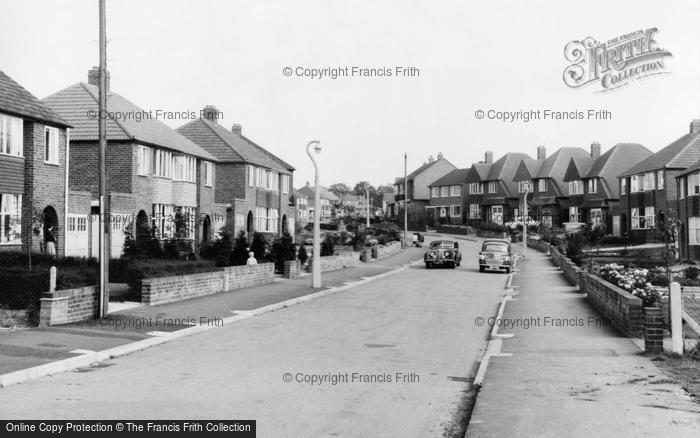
(77, 236)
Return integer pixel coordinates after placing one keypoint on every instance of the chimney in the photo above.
(488, 157)
(210, 113)
(595, 150)
(695, 126)
(541, 152)
(431, 159)
(439, 155)
(237, 129)
(94, 77)
(307, 184)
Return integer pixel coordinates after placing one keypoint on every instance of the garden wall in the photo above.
(623, 309)
(390, 248)
(344, 260)
(181, 287)
(491, 234)
(70, 305)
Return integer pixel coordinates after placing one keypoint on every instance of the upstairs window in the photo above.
(476, 188)
(493, 186)
(163, 163)
(285, 184)
(185, 168)
(634, 184)
(51, 145)
(435, 192)
(444, 192)
(144, 160)
(593, 185)
(542, 185)
(576, 187)
(11, 136)
(648, 181)
(693, 184)
(455, 190)
(660, 180)
(208, 174)
(252, 171)
(623, 186)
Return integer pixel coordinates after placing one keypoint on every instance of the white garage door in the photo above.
(117, 238)
(77, 235)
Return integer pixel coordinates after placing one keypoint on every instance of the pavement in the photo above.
(559, 368)
(392, 357)
(25, 348)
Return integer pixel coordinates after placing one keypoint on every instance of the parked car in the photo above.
(443, 253)
(495, 254)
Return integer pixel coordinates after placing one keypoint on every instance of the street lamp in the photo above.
(367, 190)
(528, 186)
(316, 259)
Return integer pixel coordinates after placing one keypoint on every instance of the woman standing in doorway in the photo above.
(50, 240)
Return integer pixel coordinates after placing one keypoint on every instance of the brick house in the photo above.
(33, 150)
(474, 193)
(418, 191)
(329, 202)
(499, 202)
(648, 189)
(302, 204)
(154, 174)
(447, 204)
(256, 183)
(552, 200)
(599, 203)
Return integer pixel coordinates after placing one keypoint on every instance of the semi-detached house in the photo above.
(33, 171)
(256, 184)
(154, 174)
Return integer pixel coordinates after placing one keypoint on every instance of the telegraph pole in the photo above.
(102, 129)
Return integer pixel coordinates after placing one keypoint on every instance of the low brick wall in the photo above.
(344, 260)
(70, 305)
(491, 234)
(623, 309)
(181, 287)
(390, 248)
(537, 244)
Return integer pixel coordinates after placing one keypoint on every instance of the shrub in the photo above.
(691, 273)
(358, 242)
(259, 246)
(302, 255)
(614, 240)
(170, 250)
(493, 226)
(151, 247)
(206, 250)
(283, 249)
(657, 276)
(574, 246)
(239, 255)
(633, 280)
(327, 247)
(222, 249)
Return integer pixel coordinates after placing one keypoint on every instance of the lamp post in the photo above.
(316, 260)
(528, 186)
(367, 190)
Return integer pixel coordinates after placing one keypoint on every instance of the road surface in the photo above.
(388, 358)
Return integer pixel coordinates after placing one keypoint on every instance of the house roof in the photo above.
(478, 172)
(228, 146)
(78, 105)
(457, 176)
(681, 154)
(324, 193)
(527, 169)
(17, 101)
(504, 168)
(613, 162)
(423, 167)
(555, 165)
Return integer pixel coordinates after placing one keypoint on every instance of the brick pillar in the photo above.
(291, 268)
(653, 330)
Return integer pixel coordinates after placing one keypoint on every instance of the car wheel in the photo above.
(507, 270)
(481, 269)
(428, 265)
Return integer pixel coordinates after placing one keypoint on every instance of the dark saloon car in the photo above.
(495, 254)
(443, 253)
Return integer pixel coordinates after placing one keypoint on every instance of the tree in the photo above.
(327, 246)
(259, 246)
(302, 256)
(667, 226)
(239, 255)
(339, 189)
(283, 249)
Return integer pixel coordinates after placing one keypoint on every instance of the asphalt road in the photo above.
(400, 351)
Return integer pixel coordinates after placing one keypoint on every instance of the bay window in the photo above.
(474, 211)
(163, 163)
(455, 210)
(163, 220)
(574, 214)
(184, 168)
(11, 136)
(576, 187)
(596, 216)
(144, 160)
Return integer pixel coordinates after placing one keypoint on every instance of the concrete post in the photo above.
(676, 318)
(52, 280)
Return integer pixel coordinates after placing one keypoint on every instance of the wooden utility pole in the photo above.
(102, 129)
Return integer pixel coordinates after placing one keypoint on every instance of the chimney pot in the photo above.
(210, 113)
(595, 149)
(94, 77)
(488, 157)
(440, 155)
(431, 159)
(237, 129)
(695, 126)
(541, 152)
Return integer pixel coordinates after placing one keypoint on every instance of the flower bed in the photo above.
(634, 280)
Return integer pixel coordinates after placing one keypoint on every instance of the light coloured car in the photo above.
(495, 254)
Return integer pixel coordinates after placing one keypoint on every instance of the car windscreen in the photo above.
(495, 247)
(441, 245)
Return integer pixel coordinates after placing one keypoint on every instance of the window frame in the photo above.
(51, 152)
(11, 128)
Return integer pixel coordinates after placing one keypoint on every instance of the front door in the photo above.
(497, 214)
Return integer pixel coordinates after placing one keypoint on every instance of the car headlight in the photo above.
(431, 254)
(448, 254)
(482, 257)
(506, 258)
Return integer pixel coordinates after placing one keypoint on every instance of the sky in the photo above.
(497, 56)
